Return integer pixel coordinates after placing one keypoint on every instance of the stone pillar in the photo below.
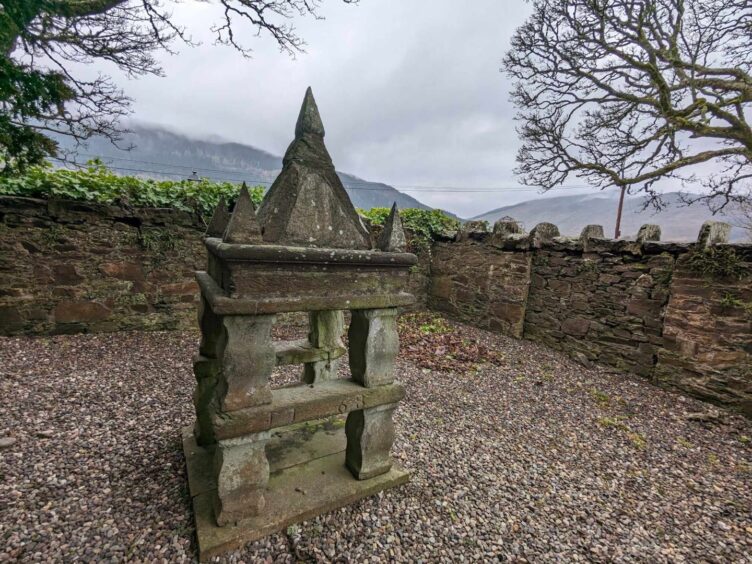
(325, 332)
(211, 330)
(241, 471)
(370, 434)
(649, 232)
(374, 343)
(248, 358)
(206, 371)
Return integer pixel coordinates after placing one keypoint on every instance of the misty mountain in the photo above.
(158, 153)
(572, 213)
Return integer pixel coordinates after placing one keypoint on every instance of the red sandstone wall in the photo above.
(68, 267)
(707, 334)
(480, 284)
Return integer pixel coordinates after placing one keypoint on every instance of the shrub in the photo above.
(96, 183)
(425, 224)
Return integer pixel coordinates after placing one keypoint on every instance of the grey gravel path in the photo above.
(537, 459)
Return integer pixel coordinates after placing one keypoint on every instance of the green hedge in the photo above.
(97, 183)
(426, 224)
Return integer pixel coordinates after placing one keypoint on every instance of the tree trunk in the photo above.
(617, 231)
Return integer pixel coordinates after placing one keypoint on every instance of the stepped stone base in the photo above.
(294, 494)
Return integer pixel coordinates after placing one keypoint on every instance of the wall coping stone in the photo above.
(65, 211)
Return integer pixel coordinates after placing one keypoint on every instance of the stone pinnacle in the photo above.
(219, 220)
(392, 238)
(243, 227)
(309, 120)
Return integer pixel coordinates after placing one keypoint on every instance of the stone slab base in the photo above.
(294, 494)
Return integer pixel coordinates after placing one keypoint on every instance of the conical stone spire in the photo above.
(307, 205)
(392, 238)
(219, 220)
(243, 227)
(309, 120)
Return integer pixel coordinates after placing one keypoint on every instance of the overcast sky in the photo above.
(410, 92)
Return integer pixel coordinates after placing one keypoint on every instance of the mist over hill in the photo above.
(572, 213)
(158, 153)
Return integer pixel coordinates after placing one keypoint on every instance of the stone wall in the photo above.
(707, 336)
(69, 267)
(644, 306)
(480, 284)
(647, 307)
(601, 303)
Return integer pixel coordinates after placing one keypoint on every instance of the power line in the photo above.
(352, 185)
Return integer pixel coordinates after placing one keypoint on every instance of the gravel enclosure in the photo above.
(526, 457)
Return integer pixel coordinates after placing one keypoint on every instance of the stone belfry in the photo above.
(259, 458)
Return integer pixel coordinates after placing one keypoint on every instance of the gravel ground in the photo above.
(532, 459)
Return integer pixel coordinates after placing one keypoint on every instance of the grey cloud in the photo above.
(410, 93)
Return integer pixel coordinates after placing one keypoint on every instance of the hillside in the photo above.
(572, 213)
(159, 153)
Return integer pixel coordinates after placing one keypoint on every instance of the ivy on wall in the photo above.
(426, 224)
(97, 183)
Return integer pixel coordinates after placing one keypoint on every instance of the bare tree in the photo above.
(745, 209)
(629, 92)
(41, 40)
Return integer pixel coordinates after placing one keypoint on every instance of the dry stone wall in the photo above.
(68, 267)
(679, 314)
(707, 336)
(480, 284)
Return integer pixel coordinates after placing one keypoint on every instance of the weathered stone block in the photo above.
(576, 326)
(207, 372)
(87, 312)
(543, 233)
(123, 270)
(248, 358)
(66, 274)
(713, 233)
(241, 471)
(374, 343)
(325, 333)
(649, 232)
(370, 434)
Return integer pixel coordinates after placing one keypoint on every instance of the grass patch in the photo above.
(684, 442)
(638, 440)
(601, 398)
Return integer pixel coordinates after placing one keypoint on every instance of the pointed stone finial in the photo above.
(713, 233)
(592, 232)
(219, 219)
(543, 233)
(392, 238)
(649, 232)
(243, 227)
(307, 205)
(309, 120)
(507, 226)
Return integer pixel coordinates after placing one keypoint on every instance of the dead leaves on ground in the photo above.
(431, 342)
